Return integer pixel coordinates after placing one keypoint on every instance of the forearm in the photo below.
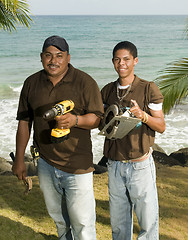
(22, 138)
(156, 123)
(155, 120)
(88, 121)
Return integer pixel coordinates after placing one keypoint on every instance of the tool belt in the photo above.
(35, 154)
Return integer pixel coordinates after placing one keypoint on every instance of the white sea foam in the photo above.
(8, 126)
(174, 137)
(176, 133)
(16, 89)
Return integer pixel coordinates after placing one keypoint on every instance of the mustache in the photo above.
(52, 65)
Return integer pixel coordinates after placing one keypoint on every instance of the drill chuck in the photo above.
(57, 110)
(50, 114)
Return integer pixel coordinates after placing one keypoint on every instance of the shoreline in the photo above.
(179, 157)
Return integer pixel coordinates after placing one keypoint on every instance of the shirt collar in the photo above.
(67, 78)
(134, 83)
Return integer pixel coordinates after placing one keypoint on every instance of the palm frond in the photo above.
(173, 83)
(12, 13)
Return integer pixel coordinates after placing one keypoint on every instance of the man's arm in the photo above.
(87, 121)
(22, 138)
(155, 121)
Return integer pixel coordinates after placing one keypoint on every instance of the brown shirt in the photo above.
(139, 140)
(39, 95)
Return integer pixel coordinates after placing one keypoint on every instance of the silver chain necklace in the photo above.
(125, 94)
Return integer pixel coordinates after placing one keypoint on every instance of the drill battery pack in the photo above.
(59, 135)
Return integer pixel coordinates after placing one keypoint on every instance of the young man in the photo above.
(65, 169)
(131, 169)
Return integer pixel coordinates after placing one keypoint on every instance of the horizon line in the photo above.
(109, 14)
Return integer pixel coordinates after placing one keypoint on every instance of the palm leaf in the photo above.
(173, 83)
(12, 13)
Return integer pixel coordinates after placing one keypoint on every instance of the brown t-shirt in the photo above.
(38, 95)
(139, 140)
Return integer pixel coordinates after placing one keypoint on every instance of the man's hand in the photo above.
(66, 121)
(86, 121)
(135, 109)
(155, 121)
(19, 169)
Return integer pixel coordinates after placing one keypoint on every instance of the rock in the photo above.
(31, 169)
(99, 169)
(156, 147)
(101, 166)
(5, 167)
(181, 155)
(164, 159)
(103, 161)
(28, 158)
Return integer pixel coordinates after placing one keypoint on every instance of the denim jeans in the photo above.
(70, 201)
(132, 185)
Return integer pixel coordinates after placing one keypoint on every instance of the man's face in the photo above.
(55, 62)
(124, 63)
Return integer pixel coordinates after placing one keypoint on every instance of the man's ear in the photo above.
(41, 57)
(69, 57)
(135, 61)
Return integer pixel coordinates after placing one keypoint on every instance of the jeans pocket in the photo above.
(141, 165)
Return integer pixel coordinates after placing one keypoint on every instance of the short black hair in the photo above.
(126, 45)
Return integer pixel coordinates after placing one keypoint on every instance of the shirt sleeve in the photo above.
(94, 99)
(155, 106)
(24, 111)
(156, 96)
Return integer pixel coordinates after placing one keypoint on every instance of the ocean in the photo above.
(160, 40)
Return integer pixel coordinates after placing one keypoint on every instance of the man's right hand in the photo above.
(19, 169)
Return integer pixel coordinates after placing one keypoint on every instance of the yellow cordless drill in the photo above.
(59, 135)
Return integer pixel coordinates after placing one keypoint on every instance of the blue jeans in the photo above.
(133, 186)
(70, 201)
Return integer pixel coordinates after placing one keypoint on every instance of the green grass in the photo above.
(25, 217)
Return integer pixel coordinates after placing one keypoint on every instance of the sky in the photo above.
(108, 7)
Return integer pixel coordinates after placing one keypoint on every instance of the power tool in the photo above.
(117, 122)
(61, 108)
(35, 154)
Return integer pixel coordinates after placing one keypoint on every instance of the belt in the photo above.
(140, 159)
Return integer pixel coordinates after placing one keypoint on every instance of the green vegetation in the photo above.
(24, 217)
(12, 13)
(173, 82)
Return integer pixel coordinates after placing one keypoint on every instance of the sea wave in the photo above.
(174, 137)
(16, 89)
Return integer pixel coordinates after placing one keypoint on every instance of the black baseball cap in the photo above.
(57, 42)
